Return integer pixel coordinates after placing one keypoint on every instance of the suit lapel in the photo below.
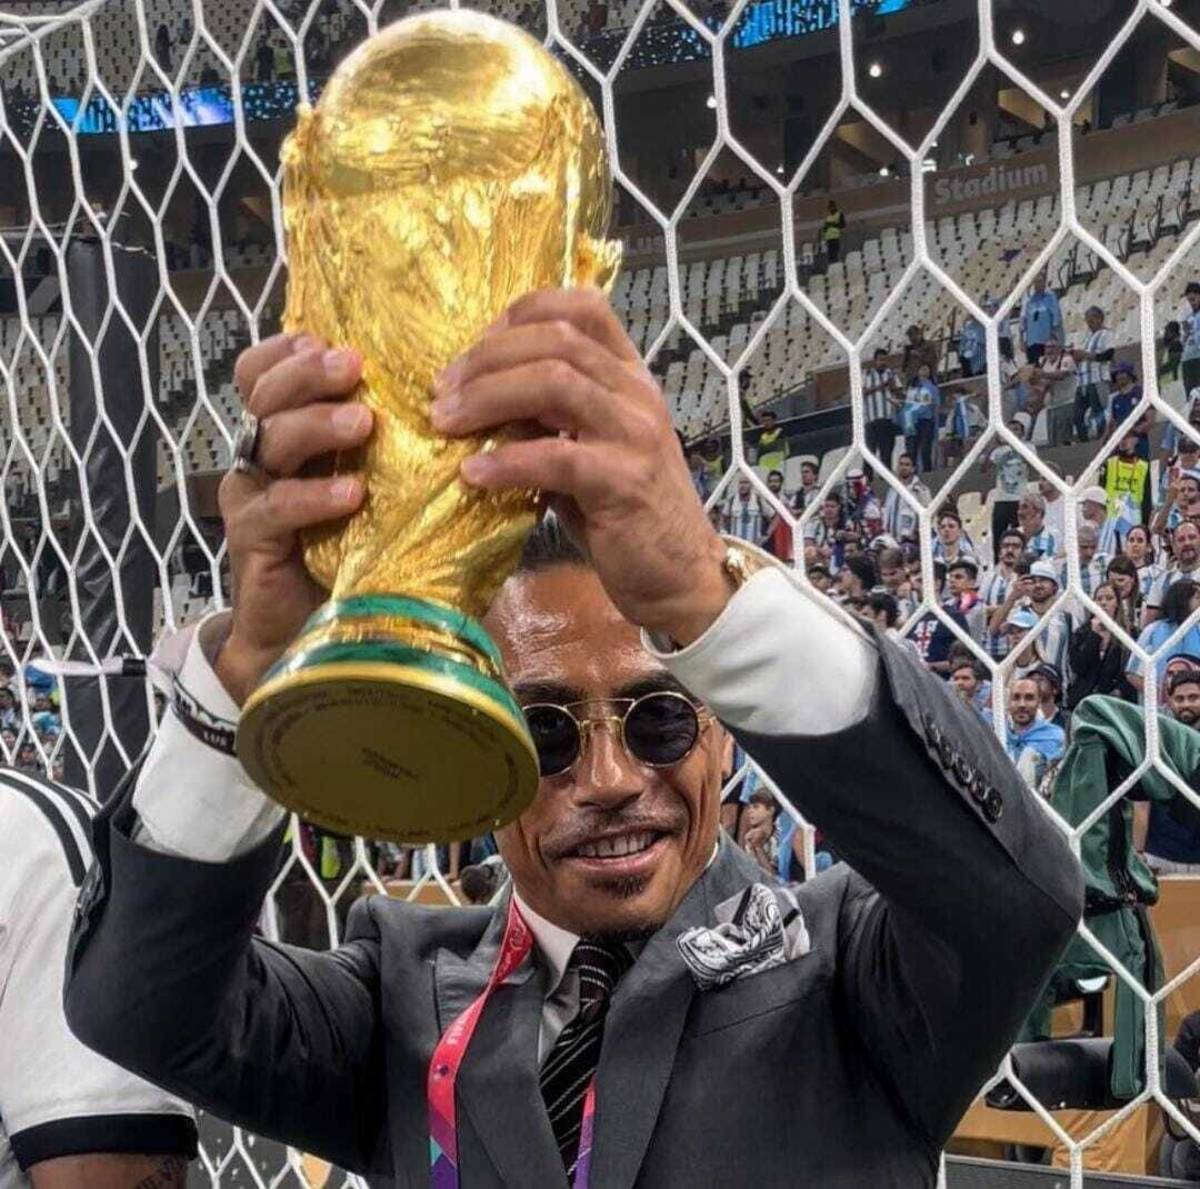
(641, 1035)
(498, 1082)
(458, 980)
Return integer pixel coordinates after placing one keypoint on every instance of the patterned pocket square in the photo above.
(756, 930)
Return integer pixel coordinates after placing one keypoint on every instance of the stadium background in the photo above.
(968, 144)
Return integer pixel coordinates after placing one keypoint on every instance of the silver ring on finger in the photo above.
(245, 442)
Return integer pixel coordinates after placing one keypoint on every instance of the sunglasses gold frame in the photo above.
(585, 725)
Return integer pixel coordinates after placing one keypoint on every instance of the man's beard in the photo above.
(1188, 717)
(620, 889)
(626, 931)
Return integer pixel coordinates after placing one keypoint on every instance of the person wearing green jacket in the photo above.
(1108, 744)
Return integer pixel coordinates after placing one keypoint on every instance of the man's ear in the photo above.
(726, 748)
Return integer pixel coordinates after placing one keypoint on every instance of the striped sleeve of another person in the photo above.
(58, 1098)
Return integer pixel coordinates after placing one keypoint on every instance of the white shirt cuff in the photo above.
(779, 660)
(192, 800)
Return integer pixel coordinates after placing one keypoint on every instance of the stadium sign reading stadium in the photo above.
(996, 180)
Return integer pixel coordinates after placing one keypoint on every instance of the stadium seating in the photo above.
(1139, 216)
(986, 251)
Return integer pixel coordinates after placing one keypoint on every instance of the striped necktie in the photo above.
(571, 1064)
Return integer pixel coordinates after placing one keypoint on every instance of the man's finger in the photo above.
(511, 346)
(289, 439)
(285, 506)
(263, 356)
(300, 379)
(550, 392)
(558, 465)
(237, 489)
(587, 309)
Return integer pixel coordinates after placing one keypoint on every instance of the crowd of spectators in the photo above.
(1004, 586)
(30, 725)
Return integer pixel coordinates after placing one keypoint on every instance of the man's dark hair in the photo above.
(887, 604)
(964, 660)
(964, 563)
(548, 545)
(959, 652)
(779, 473)
(863, 568)
(904, 454)
(880, 351)
(1122, 564)
(951, 511)
(478, 882)
(1177, 602)
(891, 558)
(1016, 535)
(762, 797)
(1183, 677)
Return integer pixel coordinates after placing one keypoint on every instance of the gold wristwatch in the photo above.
(740, 563)
(743, 560)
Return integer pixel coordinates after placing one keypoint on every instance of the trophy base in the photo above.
(387, 718)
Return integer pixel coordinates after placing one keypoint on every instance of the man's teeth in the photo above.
(616, 848)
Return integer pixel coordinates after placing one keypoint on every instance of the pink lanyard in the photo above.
(448, 1058)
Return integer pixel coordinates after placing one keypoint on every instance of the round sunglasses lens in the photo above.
(555, 736)
(661, 729)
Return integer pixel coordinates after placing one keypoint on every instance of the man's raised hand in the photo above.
(558, 361)
(296, 387)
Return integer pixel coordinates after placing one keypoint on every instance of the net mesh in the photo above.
(727, 327)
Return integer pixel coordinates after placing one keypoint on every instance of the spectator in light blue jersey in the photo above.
(1181, 598)
(972, 347)
(1190, 330)
(1032, 743)
(1041, 320)
(1040, 540)
(919, 417)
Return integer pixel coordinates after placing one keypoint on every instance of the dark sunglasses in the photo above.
(658, 730)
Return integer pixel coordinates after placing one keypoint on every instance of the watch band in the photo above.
(739, 566)
(743, 560)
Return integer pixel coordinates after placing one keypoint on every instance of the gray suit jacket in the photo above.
(847, 1067)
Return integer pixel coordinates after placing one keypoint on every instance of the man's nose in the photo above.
(606, 775)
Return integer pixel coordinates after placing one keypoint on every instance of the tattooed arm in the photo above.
(110, 1171)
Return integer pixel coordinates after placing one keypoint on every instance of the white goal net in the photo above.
(800, 184)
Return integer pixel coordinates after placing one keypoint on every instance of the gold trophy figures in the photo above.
(451, 165)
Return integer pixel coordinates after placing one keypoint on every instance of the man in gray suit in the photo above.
(642, 1009)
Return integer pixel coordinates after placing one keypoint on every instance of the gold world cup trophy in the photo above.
(451, 165)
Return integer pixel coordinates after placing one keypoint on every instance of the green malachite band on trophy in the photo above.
(387, 652)
(388, 717)
(436, 615)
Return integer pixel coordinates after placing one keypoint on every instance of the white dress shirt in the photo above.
(779, 660)
(555, 945)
